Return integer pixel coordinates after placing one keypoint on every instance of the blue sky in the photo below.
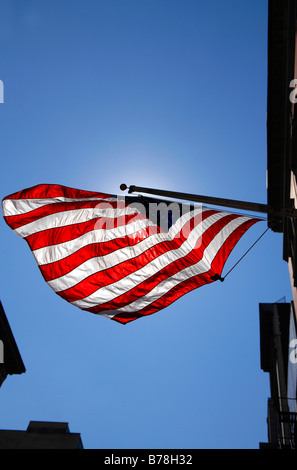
(161, 93)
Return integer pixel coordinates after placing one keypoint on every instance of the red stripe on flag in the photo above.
(41, 191)
(57, 235)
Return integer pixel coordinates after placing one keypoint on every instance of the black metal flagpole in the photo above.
(242, 205)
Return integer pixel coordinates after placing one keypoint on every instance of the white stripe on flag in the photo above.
(71, 217)
(23, 206)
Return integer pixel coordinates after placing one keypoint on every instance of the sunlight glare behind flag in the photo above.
(123, 257)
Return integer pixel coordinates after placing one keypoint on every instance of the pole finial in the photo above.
(123, 187)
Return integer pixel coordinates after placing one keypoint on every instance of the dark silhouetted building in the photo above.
(278, 320)
(282, 127)
(279, 359)
(41, 435)
(10, 358)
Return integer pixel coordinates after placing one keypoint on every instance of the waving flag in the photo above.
(121, 257)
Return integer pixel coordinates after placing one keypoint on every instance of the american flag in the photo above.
(117, 256)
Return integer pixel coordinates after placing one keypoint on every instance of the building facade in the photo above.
(279, 359)
(278, 320)
(10, 359)
(41, 435)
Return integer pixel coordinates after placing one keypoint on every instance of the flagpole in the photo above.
(243, 205)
